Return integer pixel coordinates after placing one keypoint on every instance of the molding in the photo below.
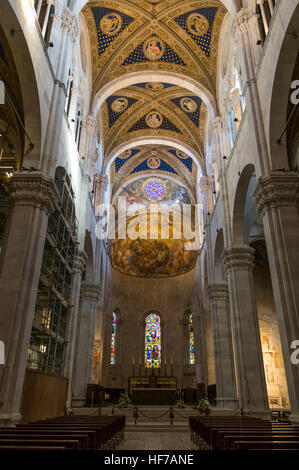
(90, 291)
(277, 189)
(79, 262)
(218, 291)
(238, 257)
(33, 189)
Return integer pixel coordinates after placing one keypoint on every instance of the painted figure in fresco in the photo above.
(111, 24)
(154, 120)
(197, 24)
(154, 163)
(155, 86)
(188, 105)
(153, 49)
(126, 154)
(119, 105)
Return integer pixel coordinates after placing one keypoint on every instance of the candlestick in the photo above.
(171, 361)
(133, 361)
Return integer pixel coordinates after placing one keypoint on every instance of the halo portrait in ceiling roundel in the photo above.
(154, 86)
(188, 105)
(119, 105)
(111, 24)
(181, 155)
(197, 24)
(126, 154)
(154, 119)
(153, 163)
(154, 48)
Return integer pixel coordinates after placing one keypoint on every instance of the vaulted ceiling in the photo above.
(143, 37)
(172, 36)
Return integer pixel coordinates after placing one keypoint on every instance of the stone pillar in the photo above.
(250, 372)
(33, 198)
(247, 58)
(218, 128)
(235, 97)
(89, 297)
(264, 18)
(223, 347)
(102, 181)
(71, 337)
(276, 195)
(52, 140)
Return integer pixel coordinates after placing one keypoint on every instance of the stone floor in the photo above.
(173, 440)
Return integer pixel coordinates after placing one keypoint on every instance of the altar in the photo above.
(153, 396)
(153, 390)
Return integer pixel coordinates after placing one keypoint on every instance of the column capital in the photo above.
(218, 291)
(279, 188)
(102, 180)
(242, 21)
(90, 123)
(90, 291)
(69, 23)
(33, 189)
(79, 262)
(238, 257)
(206, 183)
(217, 124)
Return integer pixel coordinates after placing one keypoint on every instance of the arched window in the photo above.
(152, 349)
(113, 339)
(191, 357)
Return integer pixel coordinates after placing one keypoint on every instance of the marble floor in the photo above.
(179, 440)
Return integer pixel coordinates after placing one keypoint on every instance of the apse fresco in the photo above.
(147, 257)
(152, 350)
(155, 244)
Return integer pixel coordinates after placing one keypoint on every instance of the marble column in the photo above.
(276, 195)
(101, 185)
(33, 198)
(71, 337)
(89, 297)
(222, 147)
(223, 347)
(52, 140)
(251, 382)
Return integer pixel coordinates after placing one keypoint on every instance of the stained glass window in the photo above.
(113, 339)
(191, 340)
(152, 341)
(154, 190)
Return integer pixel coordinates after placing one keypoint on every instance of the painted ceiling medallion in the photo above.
(154, 86)
(154, 48)
(197, 24)
(111, 24)
(154, 189)
(154, 119)
(119, 105)
(125, 155)
(181, 155)
(188, 105)
(153, 163)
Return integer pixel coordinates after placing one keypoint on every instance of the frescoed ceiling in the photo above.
(176, 38)
(154, 109)
(172, 35)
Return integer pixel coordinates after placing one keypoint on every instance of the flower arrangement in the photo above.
(180, 404)
(203, 405)
(124, 400)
